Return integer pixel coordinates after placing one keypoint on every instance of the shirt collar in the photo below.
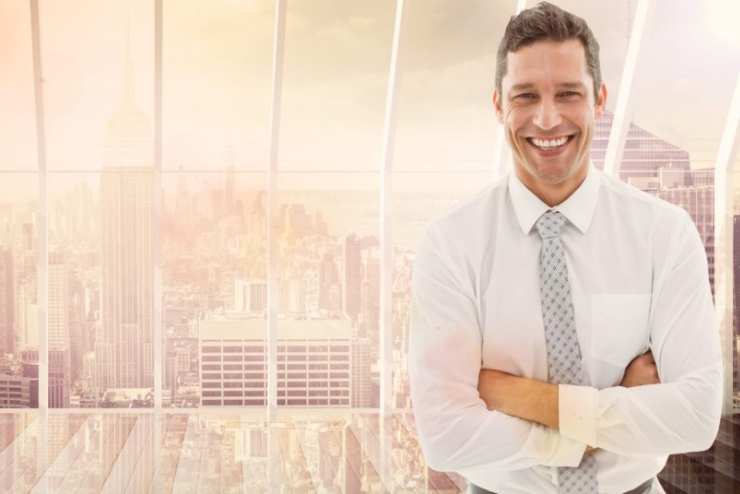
(578, 208)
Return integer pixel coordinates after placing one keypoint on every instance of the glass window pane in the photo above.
(214, 287)
(19, 304)
(98, 83)
(101, 282)
(680, 96)
(18, 125)
(446, 68)
(217, 84)
(334, 86)
(326, 226)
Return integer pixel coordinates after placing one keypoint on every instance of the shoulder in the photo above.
(468, 223)
(650, 211)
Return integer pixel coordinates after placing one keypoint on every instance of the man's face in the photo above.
(548, 109)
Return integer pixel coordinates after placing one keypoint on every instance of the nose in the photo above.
(547, 115)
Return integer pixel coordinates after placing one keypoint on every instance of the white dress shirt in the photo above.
(639, 280)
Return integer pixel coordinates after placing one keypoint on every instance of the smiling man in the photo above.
(562, 328)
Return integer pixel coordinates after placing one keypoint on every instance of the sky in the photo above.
(217, 79)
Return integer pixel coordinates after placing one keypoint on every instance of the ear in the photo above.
(600, 103)
(497, 106)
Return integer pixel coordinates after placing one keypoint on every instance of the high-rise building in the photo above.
(80, 342)
(313, 362)
(250, 296)
(643, 154)
(58, 327)
(7, 302)
(365, 385)
(15, 391)
(329, 286)
(124, 345)
(59, 378)
(370, 306)
(352, 296)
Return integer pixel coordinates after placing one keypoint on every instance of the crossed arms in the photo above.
(471, 421)
(537, 401)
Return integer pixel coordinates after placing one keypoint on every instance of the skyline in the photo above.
(161, 310)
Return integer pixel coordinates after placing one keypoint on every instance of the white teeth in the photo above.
(543, 143)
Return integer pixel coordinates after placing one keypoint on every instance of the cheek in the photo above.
(515, 120)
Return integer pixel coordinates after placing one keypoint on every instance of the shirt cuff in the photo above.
(565, 452)
(577, 412)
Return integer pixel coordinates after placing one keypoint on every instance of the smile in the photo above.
(549, 144)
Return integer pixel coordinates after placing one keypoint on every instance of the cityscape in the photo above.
(134, 252)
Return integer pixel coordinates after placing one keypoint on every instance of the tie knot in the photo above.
(550, 224)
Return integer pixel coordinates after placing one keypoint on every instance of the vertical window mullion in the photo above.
(621, 122)
(157, 210)
(272, 291)
(386, 239)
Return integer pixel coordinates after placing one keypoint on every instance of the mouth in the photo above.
(550, 147)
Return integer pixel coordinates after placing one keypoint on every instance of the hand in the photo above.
(641, 371)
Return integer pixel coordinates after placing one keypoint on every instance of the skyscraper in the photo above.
(124, 346)
(351, 298)
(644, 153)
(58, 327)
(7, 302)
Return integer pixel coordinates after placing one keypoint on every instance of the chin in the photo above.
(552, 176)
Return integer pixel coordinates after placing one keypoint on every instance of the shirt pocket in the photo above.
(619, 323)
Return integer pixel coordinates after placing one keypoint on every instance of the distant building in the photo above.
(7, 302)
(313, 362)
(16, 391)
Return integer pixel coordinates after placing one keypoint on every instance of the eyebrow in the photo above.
(564, 85)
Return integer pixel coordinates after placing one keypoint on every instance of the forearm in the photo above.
(458, 433)
(528, 399)
(654, 419)
(658, 419)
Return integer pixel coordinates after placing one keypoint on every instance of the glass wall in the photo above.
(183, 253)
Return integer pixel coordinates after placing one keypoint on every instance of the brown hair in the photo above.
(548, 22)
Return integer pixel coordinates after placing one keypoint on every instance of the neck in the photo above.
(553, 194)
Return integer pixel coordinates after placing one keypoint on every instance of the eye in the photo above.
(569, 94)
(525, 96)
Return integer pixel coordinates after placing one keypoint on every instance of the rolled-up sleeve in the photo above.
(456, 430)
(682, 413)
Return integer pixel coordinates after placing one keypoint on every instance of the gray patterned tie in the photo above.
(563, 350)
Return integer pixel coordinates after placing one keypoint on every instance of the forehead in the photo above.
(546, 62)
